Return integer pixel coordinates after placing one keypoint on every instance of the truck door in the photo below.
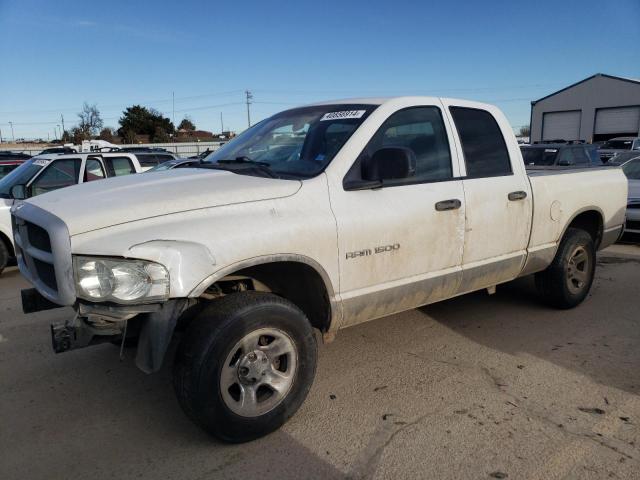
(400, 246)
(498, 199)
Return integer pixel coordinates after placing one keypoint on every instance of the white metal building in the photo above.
(595, 109)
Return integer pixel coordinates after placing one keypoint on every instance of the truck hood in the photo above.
(105, 203)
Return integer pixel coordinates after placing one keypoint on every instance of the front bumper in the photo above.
(93, 324)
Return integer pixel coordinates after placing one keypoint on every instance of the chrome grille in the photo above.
(43, 251)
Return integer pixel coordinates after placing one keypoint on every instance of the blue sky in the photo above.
(54, 55)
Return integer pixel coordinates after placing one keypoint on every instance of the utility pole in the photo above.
(62, 118)
(249, 98)
(13, 138)
(173, 111)
(58, 128)
(0, 135)
(221, 124)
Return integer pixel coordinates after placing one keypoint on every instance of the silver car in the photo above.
(631, 169)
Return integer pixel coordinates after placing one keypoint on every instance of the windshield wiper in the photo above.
(244, 162)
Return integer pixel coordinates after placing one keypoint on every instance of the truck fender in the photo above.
(187, 262)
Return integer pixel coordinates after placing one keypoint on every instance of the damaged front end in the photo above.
(93, 324)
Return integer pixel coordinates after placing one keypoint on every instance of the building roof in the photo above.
(623, 79)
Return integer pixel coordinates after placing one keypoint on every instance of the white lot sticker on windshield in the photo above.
(42, 162)
(343, 114)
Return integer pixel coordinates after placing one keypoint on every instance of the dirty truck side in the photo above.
(316, 219)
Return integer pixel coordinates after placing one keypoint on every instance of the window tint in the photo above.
(632, 169)
(58, 174)
(579, 156)
(422, 130)
(593, 155)
(164, 158)
(118, 166)
(485, 152)
(93, 170)
(147, 159)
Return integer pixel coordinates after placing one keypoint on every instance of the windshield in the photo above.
(539, 156)
(632, 169)
(620, 158)
(164, 166)
(21, 175)
(618, 145)
(298, 143)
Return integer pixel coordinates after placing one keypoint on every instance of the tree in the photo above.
(144, 121)
(90, 122)
(106, 134)
(160, 135)
(78, 135)
(524, 131)
(187, 124)
(66, 137)
(128, 135)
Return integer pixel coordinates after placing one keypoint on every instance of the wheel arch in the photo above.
(300, 279)
(591, 220)
(7, 241)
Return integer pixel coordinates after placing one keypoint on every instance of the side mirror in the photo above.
(19, 192)
(389, 163)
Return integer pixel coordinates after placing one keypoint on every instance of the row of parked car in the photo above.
(22, 176)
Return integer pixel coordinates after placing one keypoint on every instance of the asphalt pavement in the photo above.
(476, 387)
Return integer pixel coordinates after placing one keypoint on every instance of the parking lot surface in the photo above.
(476, 387)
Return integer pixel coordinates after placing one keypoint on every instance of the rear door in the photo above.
(497, 197)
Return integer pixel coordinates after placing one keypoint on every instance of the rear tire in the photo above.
(245, 365)
(567, 281)
(4, 255)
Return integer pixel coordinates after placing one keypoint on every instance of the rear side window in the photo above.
(483, 146)
(580, 157)
(119, 166)
(147, 159)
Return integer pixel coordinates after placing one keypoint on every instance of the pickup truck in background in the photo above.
(616, 145)
(564, 154)
(45, 173)
(317, 218)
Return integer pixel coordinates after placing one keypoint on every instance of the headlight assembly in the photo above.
(120, 280)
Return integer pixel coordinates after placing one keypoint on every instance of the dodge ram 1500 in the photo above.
(315, 219)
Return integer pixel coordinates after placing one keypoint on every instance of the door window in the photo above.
(483, 146)
(119, 166)
(93, 170)
(422, 130)
(58, 174)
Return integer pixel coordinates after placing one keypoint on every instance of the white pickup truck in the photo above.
(317, 218)
(48, 172)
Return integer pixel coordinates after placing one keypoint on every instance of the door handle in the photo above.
(453, 204)
(513, 196)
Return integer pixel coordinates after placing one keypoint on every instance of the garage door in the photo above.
(561, 125)
(618, 120)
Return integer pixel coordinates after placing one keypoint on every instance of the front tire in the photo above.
(567, 281)
(245, 365)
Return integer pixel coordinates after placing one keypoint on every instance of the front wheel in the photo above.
(245, 365)
(567, 281)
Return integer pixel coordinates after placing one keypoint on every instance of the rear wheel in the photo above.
(567, 281)
(245, 365)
